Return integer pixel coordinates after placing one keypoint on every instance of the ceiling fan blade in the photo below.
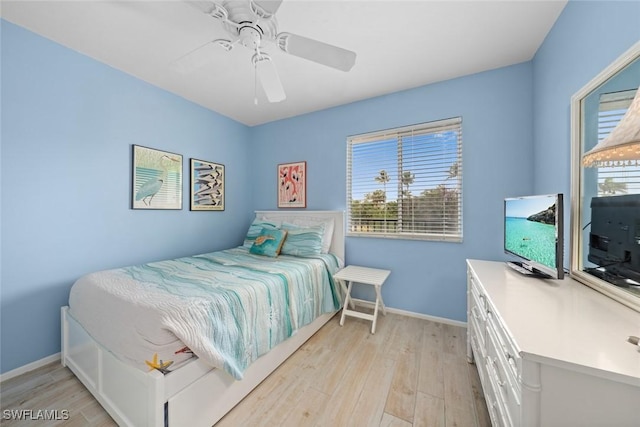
(316, 51)
(269, 7)
(269, 80)
(209, 8)
(200, 56)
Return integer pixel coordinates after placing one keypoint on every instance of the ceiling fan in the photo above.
(252, 22)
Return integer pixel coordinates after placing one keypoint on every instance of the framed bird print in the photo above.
(157, 179)
(292, 185)
(207, 186)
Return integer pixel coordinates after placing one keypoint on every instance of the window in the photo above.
(406, 182)
(617, 179)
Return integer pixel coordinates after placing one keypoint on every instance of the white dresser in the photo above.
(551, 352)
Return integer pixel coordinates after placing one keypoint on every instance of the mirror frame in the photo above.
(577, 129)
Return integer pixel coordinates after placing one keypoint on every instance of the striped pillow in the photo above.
(302, 241)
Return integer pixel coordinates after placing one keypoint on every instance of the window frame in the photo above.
(397, 134)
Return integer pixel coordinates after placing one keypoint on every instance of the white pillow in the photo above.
(310, 221)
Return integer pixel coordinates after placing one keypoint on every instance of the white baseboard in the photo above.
(427, 317)
(417, 315)
(29, 367)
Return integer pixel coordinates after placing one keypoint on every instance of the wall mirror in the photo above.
(605, 191)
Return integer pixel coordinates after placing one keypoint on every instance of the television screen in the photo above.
(614, 239)
(533, 233)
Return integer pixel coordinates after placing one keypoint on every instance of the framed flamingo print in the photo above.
(292, 185)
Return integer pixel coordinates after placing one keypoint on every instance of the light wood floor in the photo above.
(412, 372)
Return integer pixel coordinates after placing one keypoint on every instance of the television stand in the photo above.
(520, 268)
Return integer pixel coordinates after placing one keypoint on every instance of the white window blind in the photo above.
(618, 179)
(406, 182)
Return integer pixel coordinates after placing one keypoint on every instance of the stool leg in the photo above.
(347, 300)
(379, 297)
(344, 290)
(375, 316)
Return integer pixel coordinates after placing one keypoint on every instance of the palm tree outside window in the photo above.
(406, 182)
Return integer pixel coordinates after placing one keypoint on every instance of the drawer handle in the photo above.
(512, 361)
(500, 382)
(508, 355)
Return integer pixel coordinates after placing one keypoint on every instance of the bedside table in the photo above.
(367, 276)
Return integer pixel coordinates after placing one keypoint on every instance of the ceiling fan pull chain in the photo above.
(255, 82)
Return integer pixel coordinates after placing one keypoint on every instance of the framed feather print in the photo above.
(207, 186)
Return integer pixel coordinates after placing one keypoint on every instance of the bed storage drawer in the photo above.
(81, 350)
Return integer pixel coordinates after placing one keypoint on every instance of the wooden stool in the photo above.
(368, 276)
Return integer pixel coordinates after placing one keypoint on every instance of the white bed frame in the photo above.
(192, 395)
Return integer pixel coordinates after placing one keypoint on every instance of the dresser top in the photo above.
(563, 321)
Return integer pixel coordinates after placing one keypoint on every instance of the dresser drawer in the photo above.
(477, 295)
(492, 398)
(477, 327)
(476, 316)
(505, 384)
(479, 350)
(505, 347)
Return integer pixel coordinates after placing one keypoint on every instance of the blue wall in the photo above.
(68, 123)
(427, 277)
(587, 37)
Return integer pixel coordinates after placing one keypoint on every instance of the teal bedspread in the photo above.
(228, 307)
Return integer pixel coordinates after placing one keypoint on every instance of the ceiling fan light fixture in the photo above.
(250, 37)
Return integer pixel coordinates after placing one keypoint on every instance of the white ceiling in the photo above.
(399, 45)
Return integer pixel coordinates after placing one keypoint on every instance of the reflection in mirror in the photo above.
(605, 241)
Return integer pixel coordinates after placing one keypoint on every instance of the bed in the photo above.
(198, 386)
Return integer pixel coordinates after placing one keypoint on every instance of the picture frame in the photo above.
(292, 185)
(207, 186)
(156, 180)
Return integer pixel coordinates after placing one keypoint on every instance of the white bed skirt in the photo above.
(193, 395)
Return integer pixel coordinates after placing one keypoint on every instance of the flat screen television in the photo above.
(614, 239)
(533, 232)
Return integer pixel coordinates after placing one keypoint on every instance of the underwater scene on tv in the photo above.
(530, 231)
